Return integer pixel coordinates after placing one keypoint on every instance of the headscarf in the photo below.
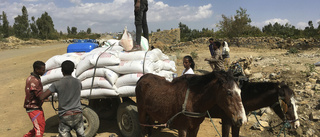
(225, 49)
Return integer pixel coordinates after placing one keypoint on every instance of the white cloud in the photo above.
(271, 21)
(203, 12)
(75, 1)
(30, 0)
(280, 21)
(108, 16)
(302, 25)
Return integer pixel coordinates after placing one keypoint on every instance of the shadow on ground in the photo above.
(106, 126)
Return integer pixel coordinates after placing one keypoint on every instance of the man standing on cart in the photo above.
(140, 20)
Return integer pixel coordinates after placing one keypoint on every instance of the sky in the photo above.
(114, 15)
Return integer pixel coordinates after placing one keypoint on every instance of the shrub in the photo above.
(293, 50)
(194, 54)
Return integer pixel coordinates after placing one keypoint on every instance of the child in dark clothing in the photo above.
(32, 102)
(216, 61)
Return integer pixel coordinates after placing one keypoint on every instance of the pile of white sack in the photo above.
(114, 73)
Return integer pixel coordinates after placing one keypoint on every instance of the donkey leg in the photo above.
(142, 120)
(226, 125)
(182, 133)
(193, 132)
(235, 131)
(149, 129)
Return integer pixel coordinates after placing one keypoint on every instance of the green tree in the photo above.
(34, 28)
(68, 30)
(310, 31)
(279, 30)
(89, 31)
(185, 32)
(74, 31)
(5, 25)
(318, 29)
(46, 27)
(82, 33)
(21, 24)
(237, 25)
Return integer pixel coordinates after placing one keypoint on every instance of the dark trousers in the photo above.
(140, 21)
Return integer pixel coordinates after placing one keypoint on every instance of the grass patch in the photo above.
(293, 50)
(194, 54)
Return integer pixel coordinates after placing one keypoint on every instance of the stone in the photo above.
(310, 132)
(257, 126)
(256, 76)
(312, 80)
(314, 116)
(316, 87)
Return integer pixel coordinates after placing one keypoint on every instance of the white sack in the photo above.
(169, 65)
(107, 58)
(166, 74)
(139, 55)
(116, 48)
(56, 61)
(127, 91)
(99, 82)
(128, 79)
(113, 41)
(136, 66)
(110, 75)
(126, 41)
(144, 44)
(46, 87)
(164, 65)
(53, 75)
(98, 93)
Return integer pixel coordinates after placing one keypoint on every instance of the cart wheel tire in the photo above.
(127, 119)
(90, 121)
(105, 108)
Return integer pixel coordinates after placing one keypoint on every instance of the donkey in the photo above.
(182, 103)
(255, 95)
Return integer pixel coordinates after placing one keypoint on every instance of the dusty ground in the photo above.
(16, 66)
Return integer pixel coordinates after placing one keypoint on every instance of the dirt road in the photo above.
(16, 66)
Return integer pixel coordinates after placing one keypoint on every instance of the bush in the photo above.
(309, 69)
(293, 50)
(194, 55)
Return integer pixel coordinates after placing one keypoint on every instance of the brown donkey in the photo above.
(182, 103)
(255, 95)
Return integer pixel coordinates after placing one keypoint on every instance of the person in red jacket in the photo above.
(32, 102)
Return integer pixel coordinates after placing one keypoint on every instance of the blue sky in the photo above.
(113, 15)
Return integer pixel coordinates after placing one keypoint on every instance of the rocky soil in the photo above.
(276, 65)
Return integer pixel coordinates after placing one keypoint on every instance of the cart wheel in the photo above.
(90, 121)
(105, 108)
(127, 119)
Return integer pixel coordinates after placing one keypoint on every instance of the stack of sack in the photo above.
(53, 68)
(110, 71)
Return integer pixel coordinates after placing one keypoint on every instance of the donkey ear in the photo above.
(280, 89)
(282, 84)
(229, 72)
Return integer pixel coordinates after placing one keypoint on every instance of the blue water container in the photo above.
(81, 47)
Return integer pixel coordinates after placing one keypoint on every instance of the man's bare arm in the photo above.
(45, 94)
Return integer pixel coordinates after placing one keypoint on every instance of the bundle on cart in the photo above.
(109, 71)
